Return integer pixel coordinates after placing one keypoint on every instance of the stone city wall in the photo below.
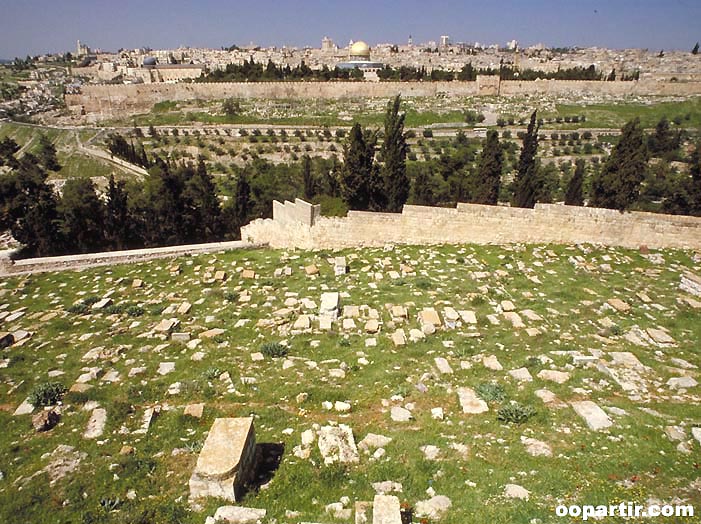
(471, 223)
(106, 101)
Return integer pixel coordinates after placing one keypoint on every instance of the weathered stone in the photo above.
(101, 304)
(468, 317)
(675, 433)
(239, 515)
(619, 305)
(399, 338)
(194, 410)
(537, 448)
(372, 326)
(248, 273)
(521, 374)
(329, 304)
(595, 417)
(25, 408)
(514, 491)
(507, 305)
(336, 444)
(660, 337)
(311, 270)
(184, 308)
(96, 424)
(166, 325)
(385, 510)
(531, 315)
(491, 362)
(45, 420)
(559, 377)
(433, 508)
(400, 414)
(682, 382)
(443, 366)
(373, 441)
(211, 333)
(303, 322)
(165, 367)
(690, 283)
(470, 402)
(429, 316)
(226, 461)
(180, 337)
(515, 319)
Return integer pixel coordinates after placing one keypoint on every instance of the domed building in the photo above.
(359, 57)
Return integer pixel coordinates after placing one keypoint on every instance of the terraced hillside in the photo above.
(481, 383)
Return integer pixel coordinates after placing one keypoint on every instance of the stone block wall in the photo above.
(472, 223)
(107, 101)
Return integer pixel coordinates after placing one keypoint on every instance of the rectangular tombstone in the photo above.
(227, 460)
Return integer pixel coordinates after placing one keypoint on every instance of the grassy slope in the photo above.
(587, 467)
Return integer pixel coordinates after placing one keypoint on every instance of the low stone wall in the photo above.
(36, 265)
(471, 223)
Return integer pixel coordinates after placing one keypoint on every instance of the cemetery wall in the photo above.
(106, 101)
(471, 223)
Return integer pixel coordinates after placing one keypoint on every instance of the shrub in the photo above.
(46, 394)
(89, 301)
(515, 413)
(273, 349)
(212, 373)
(115, 309)
(428, 133)
(491, 392)
(134, 311)
(79, 309)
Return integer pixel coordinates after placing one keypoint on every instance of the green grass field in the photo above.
(632, 461)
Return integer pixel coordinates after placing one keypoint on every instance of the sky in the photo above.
(46, 26)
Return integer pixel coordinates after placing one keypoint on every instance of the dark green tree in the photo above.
(617, 185)
(82, 216)
(527, 183)
(33, 214)
(307, 177)
(422, 188)
(202, 204)
(663, 141)
(47, 154)
(394, 158)
(695, 50)
(238, 211)
(486, 190)
(574, 195)
(357, 171)
(117, 224)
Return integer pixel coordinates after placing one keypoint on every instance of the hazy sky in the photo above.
(39, 26)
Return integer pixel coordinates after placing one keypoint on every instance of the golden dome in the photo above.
(360, 48)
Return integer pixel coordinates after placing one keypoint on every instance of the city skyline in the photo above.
(39, 26)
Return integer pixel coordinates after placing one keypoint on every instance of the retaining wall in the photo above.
(471, 223)
(37, 265)
(106, 101)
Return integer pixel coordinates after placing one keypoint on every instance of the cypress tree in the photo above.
(307, 178)
(117, 219)
(241, 206)
(489, 171)
(617, 185)
(357, 171)
(394, 158)
(574, 196)
(527, 182)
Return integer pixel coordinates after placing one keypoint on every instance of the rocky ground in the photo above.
(475, 383)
